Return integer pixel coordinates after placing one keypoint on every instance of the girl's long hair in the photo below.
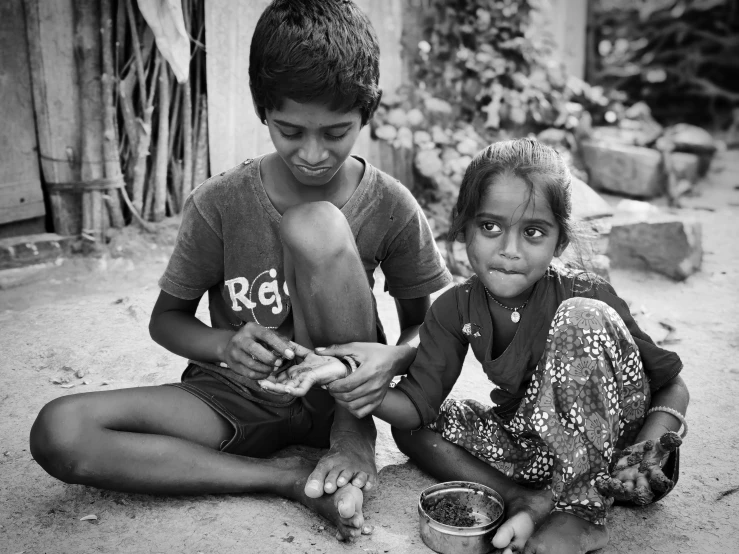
(534, 163)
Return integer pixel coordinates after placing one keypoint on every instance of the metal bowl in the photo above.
(487, 509)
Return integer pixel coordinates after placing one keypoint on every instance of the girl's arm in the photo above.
(378, 363)
(674, 395)
(398, 410)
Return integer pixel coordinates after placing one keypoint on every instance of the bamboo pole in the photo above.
(200, 172)
(87, 54)
(187, 166)
(144, 123)
(159, 182)
(112, 161)
(186, 116)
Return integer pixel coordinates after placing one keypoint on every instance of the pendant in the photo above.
(515, 317)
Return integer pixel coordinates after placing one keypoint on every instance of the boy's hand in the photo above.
(313, 370)
(362, 391)
(256, 352)
(638, 471)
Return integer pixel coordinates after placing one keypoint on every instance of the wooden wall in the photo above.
(21, 197)
(568, 20)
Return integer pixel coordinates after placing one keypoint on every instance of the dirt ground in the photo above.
(83, 327)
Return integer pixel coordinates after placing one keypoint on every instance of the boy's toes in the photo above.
(346, 505)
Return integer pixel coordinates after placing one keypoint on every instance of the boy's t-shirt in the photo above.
(229, 245)
(460, 318)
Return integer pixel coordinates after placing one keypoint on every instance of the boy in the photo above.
(285, 245)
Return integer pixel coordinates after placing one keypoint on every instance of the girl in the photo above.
(575, 378)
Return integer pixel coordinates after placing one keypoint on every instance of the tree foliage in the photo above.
(680, 56)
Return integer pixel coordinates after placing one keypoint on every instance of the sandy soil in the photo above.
(89, 318)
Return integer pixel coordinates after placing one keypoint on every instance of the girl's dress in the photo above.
(574, 384)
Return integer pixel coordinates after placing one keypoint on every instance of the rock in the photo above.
(438, 106)
(448, 154)
(421, 137)
(457, 165)
(657, 242)
(415, 118)
(556, 138)
(32, 250)
(689, 138)
(386, 132)
(624, 169)
(397, 118)
(428, 163)
(439, 135)
(685, 165)
(621, 135)
(404, 139)
(586, 203)
(468, 147)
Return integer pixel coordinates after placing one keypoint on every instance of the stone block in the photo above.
(30, 250)
(586, 203)
(685, 166)
(624, 169)
(661, 243)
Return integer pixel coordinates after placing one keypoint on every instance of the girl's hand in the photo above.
(362, 391)
(638, 474)
(314, 369)
(256, 352)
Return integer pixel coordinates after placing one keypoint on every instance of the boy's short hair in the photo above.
(315, 50)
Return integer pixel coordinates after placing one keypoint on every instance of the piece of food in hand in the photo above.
(637, 473)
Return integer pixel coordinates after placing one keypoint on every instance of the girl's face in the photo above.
(512, 239)
(312, 140)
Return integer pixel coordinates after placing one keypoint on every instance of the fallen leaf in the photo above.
(67, 386)
(90, 517)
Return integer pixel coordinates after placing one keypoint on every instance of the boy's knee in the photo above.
(315, 229)
(56, 439)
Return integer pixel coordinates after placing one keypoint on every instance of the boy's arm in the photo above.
(248, 352)
(363, 390)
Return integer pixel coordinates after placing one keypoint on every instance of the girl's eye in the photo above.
(533, 233)
(490, 227)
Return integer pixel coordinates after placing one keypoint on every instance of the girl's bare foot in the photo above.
(343, 508)
(563, 533)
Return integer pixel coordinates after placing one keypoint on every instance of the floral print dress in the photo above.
(589, 396)
(574, 384)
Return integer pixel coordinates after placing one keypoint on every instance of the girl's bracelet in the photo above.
(349, 363)
(675, 413)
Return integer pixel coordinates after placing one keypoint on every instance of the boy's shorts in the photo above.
(261, 429)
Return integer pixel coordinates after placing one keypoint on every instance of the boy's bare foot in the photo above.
(342, 508)
(563, 533)
(526, 511)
